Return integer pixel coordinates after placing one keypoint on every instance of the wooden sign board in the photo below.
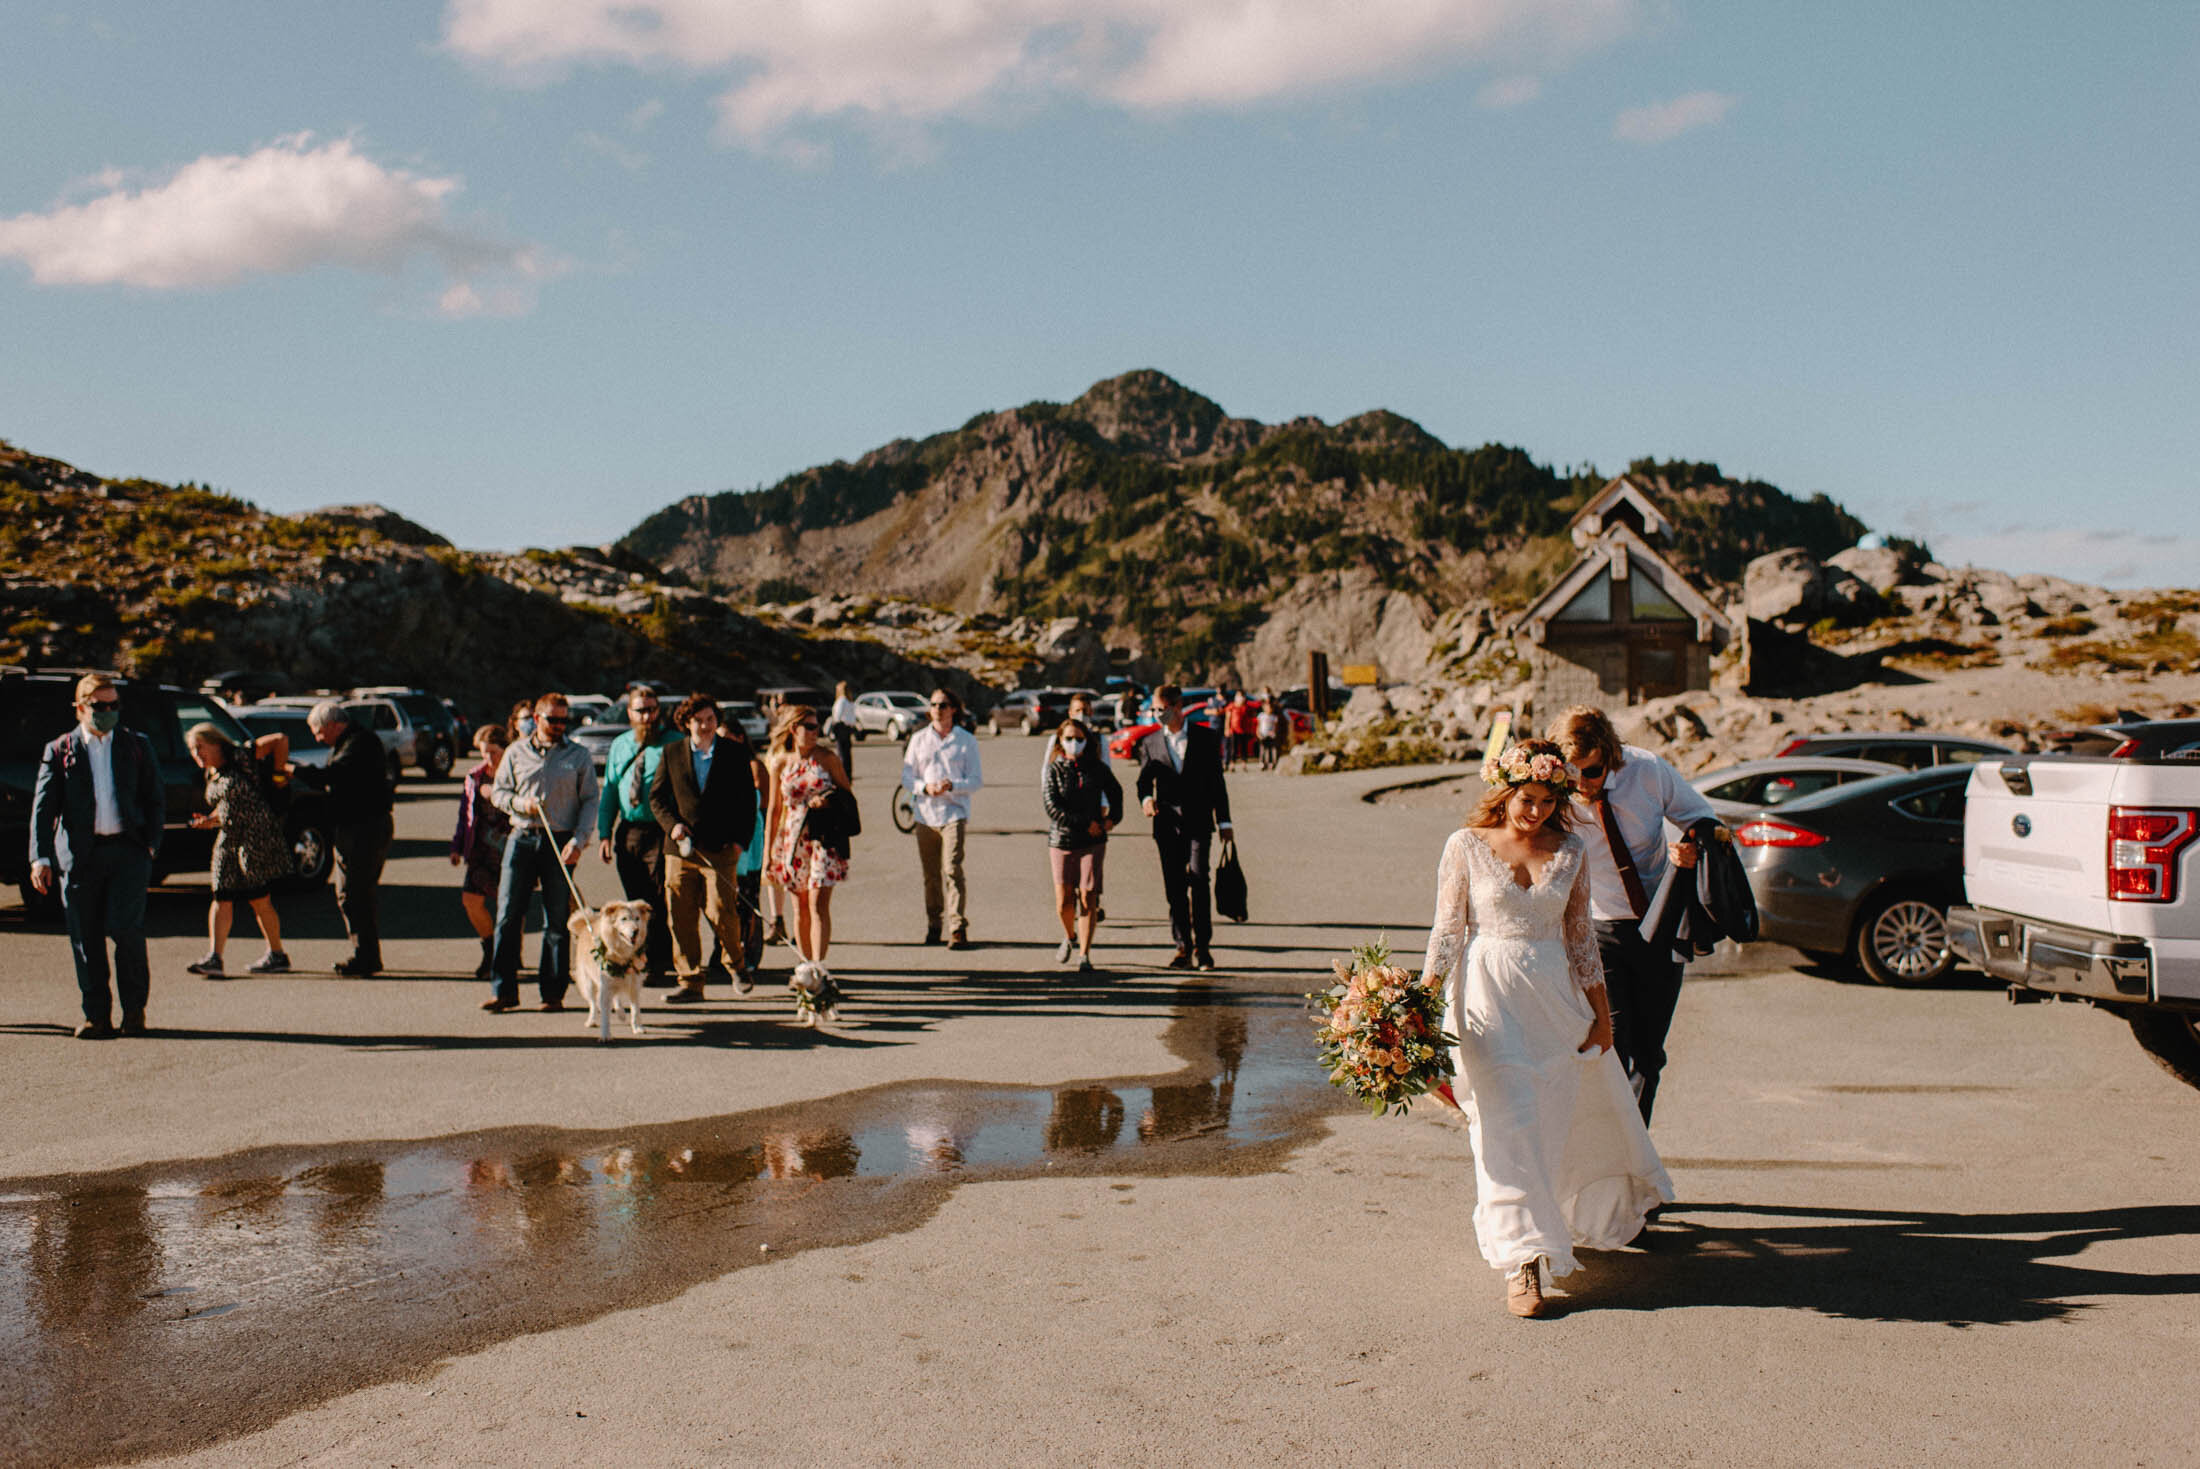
(1360, 675)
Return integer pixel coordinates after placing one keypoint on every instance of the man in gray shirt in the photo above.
(543, 781)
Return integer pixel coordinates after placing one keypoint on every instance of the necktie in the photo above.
(1637, 900)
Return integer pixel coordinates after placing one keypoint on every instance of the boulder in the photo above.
(1795, 588)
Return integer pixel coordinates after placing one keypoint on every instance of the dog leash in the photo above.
(580, 904)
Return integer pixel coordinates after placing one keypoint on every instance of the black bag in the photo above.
(1230, 884)
(832, 824)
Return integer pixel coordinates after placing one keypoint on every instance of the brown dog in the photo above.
(608, 959)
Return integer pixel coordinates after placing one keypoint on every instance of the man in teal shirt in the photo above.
(627, 832)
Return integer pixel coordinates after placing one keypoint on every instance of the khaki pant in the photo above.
(940, 853)
(702, 885)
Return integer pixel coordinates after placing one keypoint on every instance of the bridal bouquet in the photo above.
(1381, 1031)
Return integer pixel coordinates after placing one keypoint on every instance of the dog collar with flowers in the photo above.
(1516, 767)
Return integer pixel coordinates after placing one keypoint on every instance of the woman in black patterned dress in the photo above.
(251, 854)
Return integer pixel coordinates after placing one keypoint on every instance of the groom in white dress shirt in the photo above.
(1625, 800)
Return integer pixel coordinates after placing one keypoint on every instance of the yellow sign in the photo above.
(1501, 729)
(1360, 675)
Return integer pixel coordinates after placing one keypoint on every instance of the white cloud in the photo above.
(2097, 557)
(286, 208)
(792, 62)
(1509, 92)
(1661, 122)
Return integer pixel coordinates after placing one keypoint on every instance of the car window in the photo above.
(1958, 755)
(1744, 789)
(1910, 755)
(198, 709)
(1937, 803)
(1786, 786)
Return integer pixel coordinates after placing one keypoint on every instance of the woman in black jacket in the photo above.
(1084, 801)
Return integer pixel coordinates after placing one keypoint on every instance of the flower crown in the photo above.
(1517, 767)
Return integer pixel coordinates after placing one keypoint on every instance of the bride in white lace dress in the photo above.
(1561, 1156)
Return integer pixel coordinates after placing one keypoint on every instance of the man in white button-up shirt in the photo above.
(1629, 791)
(939, 769)
(97, 814)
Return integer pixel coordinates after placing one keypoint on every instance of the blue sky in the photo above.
(528, 271)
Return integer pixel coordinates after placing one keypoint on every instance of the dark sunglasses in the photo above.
(809, 724)
(1590, 772)
(555, 719)
(106, 704)
(941, 704)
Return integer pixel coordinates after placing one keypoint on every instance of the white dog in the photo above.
(816, 993)
(608, 959)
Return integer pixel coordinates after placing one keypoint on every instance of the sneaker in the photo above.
(932, 935)
(778, 935)
(1204, 960)
(357, 968)
(1084, 964)
(743, 982)
(959, 941)
(1061, 955)
(498, 1007)
(1524, 1293)
(270, 963)
(95, 1031)
(553, 1007)
(209, 967)
(134, 1024)
(1183, 959)
(686, 995)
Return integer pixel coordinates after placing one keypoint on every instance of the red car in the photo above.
(1125, 744)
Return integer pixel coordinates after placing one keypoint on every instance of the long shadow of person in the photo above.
(1873, 1265)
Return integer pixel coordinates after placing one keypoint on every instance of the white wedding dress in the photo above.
(1561, 1156)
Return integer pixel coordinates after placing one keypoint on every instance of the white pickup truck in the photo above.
(2084, 884)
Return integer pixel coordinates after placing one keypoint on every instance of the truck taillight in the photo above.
(2128, 750)
(2143, 845)
(1789, 748)
(1765, 832)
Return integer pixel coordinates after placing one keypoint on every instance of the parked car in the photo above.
(1034, 711)
(1742, 790)
(893, 712)
(744, 713)
(2131, 739)
(35, 707)
(438, 741)
(592, 708)
(1911, 751)
(266, 719)
(596, 738)
(2081, 884)
(401, 741)
(246, 685)
(1866, 871)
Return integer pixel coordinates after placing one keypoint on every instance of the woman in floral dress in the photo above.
(802, 775)
(250, 851)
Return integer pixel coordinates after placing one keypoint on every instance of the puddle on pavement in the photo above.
(176, 1305)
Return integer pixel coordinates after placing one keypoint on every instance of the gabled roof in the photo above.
(1590, 521)
(1620, 549)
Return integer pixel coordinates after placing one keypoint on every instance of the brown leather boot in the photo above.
(1524, 1292)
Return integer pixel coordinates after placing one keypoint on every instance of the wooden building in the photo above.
(1622, 625)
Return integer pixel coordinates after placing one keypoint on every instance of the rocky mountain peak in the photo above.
(1149, 412)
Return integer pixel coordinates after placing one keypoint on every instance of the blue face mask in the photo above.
(526, 725)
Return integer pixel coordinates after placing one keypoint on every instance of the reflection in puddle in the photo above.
(302, 1276)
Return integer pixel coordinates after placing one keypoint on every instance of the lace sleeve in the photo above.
(1447, 932)
(1583, 960)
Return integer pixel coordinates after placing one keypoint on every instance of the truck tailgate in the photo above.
(2044, 854)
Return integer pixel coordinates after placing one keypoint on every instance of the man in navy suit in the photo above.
(1180, 786)
(97, 814)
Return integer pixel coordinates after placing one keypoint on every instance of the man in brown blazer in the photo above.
(704, 796)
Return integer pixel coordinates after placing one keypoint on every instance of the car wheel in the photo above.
(310, 849)
(2171, 1037)
(993, 727)
(1903, 940)
(397, 768)
(439, 760)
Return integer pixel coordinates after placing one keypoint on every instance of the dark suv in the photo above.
(35, 707)
(437, 739)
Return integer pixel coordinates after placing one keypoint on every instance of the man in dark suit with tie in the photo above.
(704, 796)
(96, 815)
(1180, 785)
